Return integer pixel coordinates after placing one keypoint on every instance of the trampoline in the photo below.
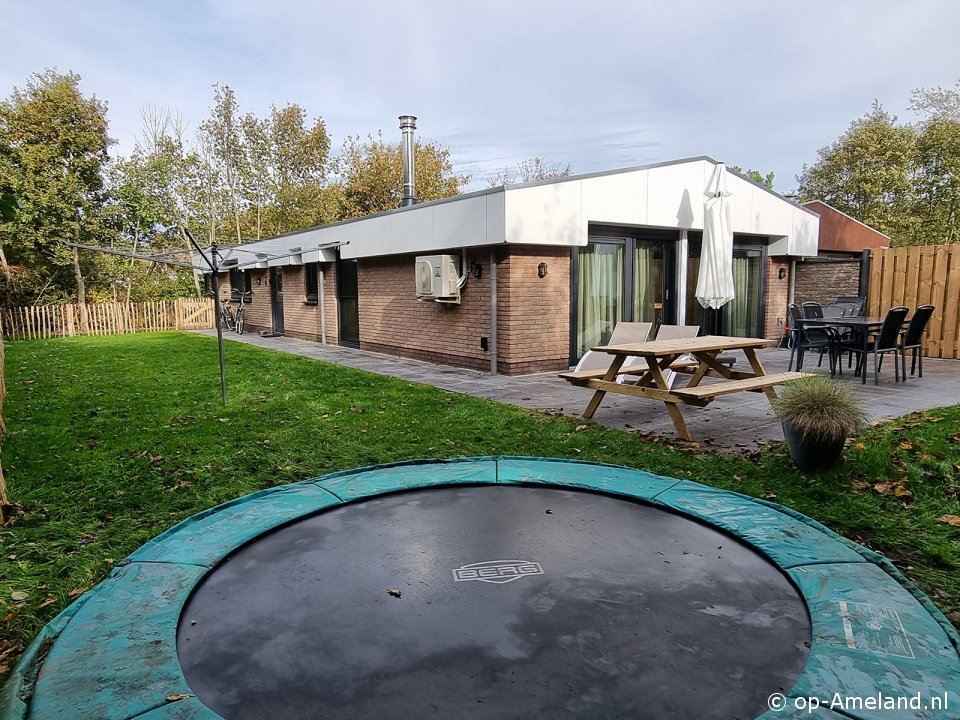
(487, 588)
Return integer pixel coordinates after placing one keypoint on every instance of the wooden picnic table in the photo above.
(650, 381)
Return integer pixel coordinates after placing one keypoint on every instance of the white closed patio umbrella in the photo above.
(715, 281)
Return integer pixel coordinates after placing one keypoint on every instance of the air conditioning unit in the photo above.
(437, 276)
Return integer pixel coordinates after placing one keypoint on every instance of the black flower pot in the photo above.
(809, 453)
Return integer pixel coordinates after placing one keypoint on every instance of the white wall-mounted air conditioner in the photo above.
(437, 276)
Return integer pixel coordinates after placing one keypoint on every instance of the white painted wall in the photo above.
(666, 196)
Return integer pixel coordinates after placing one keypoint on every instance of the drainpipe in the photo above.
(493, 311)
(323, 310)
(792, 285)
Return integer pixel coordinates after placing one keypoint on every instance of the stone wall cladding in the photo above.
(824, 282)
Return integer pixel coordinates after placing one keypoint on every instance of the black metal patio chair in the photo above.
(886, 340)
(818, 339)
(812, 310)
(912, 339)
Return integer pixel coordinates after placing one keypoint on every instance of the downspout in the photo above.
(493, 311)
(792, 285)
(323, 310)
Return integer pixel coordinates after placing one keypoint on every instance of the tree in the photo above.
(755, 175)
(529, 170)
(867, 174)
(223, 148)
(371, 175)
(58, 144)
(286, 168)
(937, 102)
(936, 208)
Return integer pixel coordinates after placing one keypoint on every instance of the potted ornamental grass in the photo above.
(818, 415)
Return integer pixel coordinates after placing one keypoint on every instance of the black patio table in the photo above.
(863, 325)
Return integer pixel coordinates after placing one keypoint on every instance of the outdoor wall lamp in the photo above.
(476, 270)
(259, 280)
(781, 273)
(542, 270)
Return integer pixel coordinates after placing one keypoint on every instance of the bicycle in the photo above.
(238, 320)
(227, 319)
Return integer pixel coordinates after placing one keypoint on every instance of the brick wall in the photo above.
(393, 322)
(778, 292)
(534, 312)
(824, 282)
(257, 306)
(258, 315)
(300, 320)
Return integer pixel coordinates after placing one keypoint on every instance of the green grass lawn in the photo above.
(113, 439)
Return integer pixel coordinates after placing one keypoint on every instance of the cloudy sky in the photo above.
(597, 84)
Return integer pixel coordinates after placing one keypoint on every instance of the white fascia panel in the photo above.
(675, 195)
(411, 231)
(545, 214)
(371, 237)
(495, 230)
(460, 224)
(619, 199)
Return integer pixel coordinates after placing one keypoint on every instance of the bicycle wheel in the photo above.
(226, 319)
(240, 321)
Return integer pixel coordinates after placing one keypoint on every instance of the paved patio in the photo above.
(741, 420)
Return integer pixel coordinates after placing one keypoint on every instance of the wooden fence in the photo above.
(46, 321)
(912, 276)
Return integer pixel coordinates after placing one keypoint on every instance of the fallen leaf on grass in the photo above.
(861, 485)
(769, 496)
(580, 427)
(75, 593)
(19, 596)
(49, 601)
(906, 446)
(949, 520)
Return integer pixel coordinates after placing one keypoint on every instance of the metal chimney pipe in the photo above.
(408, 123)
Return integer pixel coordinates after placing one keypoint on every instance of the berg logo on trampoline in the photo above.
(497, 571)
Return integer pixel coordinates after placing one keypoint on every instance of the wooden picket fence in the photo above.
(46, 321)
(922, 275)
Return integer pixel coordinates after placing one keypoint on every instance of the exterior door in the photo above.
(742, 316)
(622, 274)
(276, 299)
(348, 296)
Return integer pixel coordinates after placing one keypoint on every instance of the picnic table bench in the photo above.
(662, 355)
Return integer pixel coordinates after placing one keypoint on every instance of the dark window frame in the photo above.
(311, 283)
(241, 282)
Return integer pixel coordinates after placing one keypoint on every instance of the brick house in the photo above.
(547, 268)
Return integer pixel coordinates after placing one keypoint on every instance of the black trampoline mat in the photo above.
(515, 602)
